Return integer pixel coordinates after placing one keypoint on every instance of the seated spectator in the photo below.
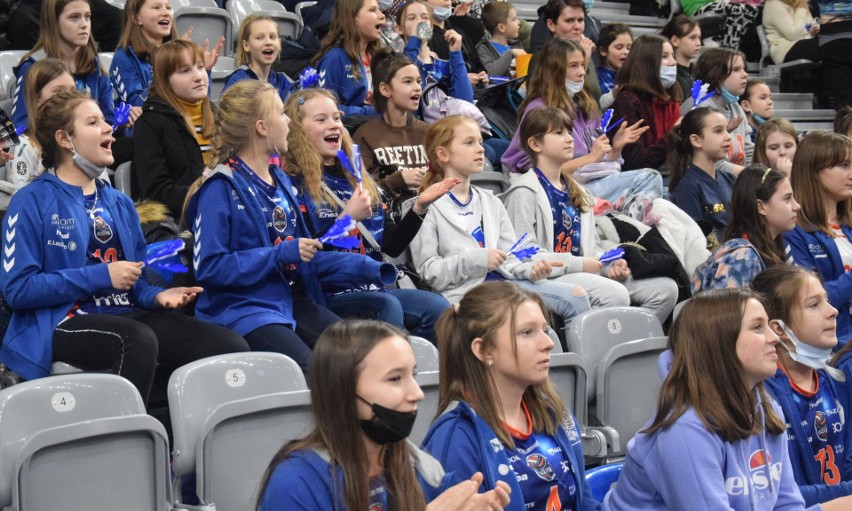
(757, 104)
(74, 274)
(364, 403)
(647, 90)
(258, 47)
(498, 53)
(725, 73)
(697, 184)
(442, 22)
(173, 136)
(613, 47)
(24, 26)
(843, 121)
(344, 58)
(835, 49)
(790, 30)
(65, 34)
(685, 35)
(739, 17)
(762, 210)
(776, 145)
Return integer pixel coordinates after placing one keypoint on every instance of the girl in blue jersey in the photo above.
(822, 170)
(467, 236)
(501, 415)
(73, 267)
(344, 58)
(364, 401)
(697, 185)
(326, 191)
(252, 249)
(556, 211)
(66, 34)
(813, 400)
(258, 47)
(716, 440)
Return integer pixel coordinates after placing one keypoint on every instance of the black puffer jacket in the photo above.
(167, 158)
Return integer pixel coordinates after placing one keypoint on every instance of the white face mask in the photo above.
(668, 75)
(813, 357)
(441, 13)
(574, 87)
(91, 170)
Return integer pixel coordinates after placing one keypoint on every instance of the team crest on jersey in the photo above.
(566, 220)
(541, 466)
(279, 219)
(821, 426)
(103, 232)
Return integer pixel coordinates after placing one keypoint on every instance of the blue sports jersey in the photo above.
(542, 471)
(823, 419)
(378, 494)
(104, 247)
(566, 218)
(280, 215)
(375, 224)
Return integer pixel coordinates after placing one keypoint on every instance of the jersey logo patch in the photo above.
(541, 466)
(103, 232)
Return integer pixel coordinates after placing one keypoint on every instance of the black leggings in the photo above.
(140, 344)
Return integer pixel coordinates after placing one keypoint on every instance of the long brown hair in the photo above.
(715, 64)
(38, 76)
(335, 367)
(48, 38)
(132, 36)
(548, 80)
(640, 73)
(756, 183)
(167, 60)
(680, 146)
(536, 124)
(440, 134)
(466, 378)
(706, 373)
(818, 151)
(57, 114)
(302, 157)
(343, 33)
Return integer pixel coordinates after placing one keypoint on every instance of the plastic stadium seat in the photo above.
(602, 479)
(122, 178)
(81, 442)
(628, 384)
(230, 415)
(209, 23)
(8, 60)
(224, 67)
(490, 179)
(427, 409)
(593, 333)
(425, 353)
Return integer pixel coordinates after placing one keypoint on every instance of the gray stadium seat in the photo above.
(490, 179)
(425, 353)
(122, 178)
(593, 333)
(627, 385)
(303, 5)
(428, 408)
(289, 24)
(81, 442)
(230, 415)
(210, 23)
(224, 67)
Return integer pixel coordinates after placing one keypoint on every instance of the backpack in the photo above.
(436, 104)
(296, 53)
(499, 104)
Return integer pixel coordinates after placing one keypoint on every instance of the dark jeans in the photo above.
(140, 344)
(414, 310)
(836, 59)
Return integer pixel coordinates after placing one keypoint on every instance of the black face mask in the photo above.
(387, 426)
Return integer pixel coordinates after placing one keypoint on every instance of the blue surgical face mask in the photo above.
(384, 5)
(91, 170)
(811, 356)
(588, 4)
(727, 96)
(441, 13)
(668, 75)
(758, 119)
(574, 87)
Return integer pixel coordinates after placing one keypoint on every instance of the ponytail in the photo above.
(679, 143)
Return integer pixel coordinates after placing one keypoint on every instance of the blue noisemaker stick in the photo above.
(122, 115)
(338, 234)
(699, 93)
(526, 253)
(308, 78)
(519, 242)
(157, 254)
(353, 165)
(612, 255)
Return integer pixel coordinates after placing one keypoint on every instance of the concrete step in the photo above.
(806, 115)
(793, 100)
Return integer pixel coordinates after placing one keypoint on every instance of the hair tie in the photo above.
(431, 168)
(768, 170)
(456, 307)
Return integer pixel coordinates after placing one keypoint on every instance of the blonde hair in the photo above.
(440, 134)
(304, 161)
(49, 36)
(38, 76)
(167, 60)
(132, 36)
(242, 57)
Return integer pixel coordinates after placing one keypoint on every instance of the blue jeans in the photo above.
(411, 309)
(558, 297)
(628, 185)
